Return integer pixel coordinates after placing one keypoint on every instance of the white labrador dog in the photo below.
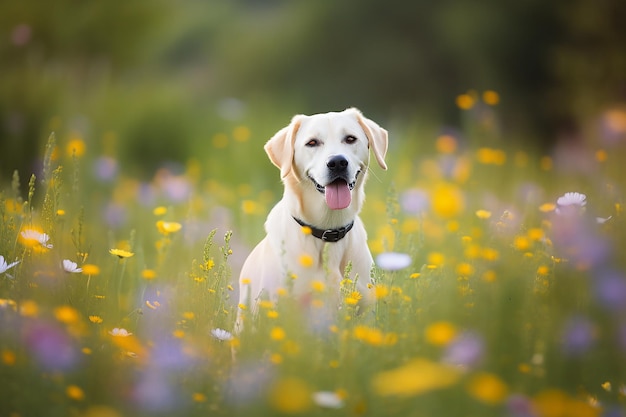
(323, 161)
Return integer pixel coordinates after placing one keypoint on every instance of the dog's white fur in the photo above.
(278, 256)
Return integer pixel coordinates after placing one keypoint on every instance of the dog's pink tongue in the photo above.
(338, 195)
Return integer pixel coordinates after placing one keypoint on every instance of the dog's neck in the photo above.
(327, 235)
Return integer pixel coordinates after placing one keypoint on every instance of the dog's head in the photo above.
(330, 151)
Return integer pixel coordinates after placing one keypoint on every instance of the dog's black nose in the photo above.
(337, 163)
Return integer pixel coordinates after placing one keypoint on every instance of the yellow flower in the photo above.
(543, 270)
(491, 156)
(318, 286)
(464, 269)
(487, 388)
(306, 260)
(546, 163)
(66, 314)
(436, 258)
(483, 214)
(76, 146)
(120, 253)
(189, 315)
(159, 211)
(440, 333)
(29, 308)
(220, 140)
(241, 133)
(491, 97)
(547, 207)
(8, 357)
(165, 228)
(351, 301)
(535, 234)
(448, 201)
(75, 393)
(554, 403)
(272, 314)
(95, 319)
(381, 291)
(91, 269)
(521, 243)
(414, 378)
(148, 274)
(489, 276)
(276, 358)
(490, 254)
(12, 206)
(465, 101)
(446, 144)
(198, 397)
(251, 207)
(291, 396)
(277, 333)
(353, 298)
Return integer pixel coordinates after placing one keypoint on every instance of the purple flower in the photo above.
(247, 383)
(168, 355)
(106, 168)
(610, 290)
(466, 350)
(51, 346)
(115, 215)
(520, 406)
(414, 201)
(578, 336)
(576, 240)
(153, 392)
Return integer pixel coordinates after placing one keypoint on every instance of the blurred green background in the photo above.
(155, 82)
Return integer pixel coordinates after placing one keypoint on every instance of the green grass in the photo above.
(507, 308)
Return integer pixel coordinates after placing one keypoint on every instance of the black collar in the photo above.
(327, 235)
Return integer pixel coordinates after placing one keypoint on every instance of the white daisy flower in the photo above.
(572, 199)
(221, 334)
(120, 332)
(602, 220)
(393, 261)
(71, 267)
(327, 399)
(571, 202)
(4, 266)
(36, 236)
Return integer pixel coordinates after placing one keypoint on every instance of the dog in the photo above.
(323, 161)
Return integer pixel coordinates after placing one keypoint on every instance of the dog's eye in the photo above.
(313, 143)
(350, 139)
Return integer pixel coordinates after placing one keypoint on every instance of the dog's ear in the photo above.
(280, 147)
(376, 136)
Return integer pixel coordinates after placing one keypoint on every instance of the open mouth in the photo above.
(338, 192)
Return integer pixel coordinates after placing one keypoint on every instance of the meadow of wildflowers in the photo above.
(500, 288)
